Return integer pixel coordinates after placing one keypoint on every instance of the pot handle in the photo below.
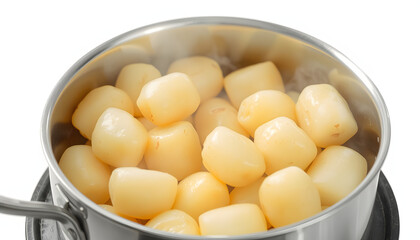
(43, 210)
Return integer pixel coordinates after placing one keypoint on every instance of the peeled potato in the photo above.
(174, 221)
(110, 208)
(119, 139)
(251, 79)
(199, 193)
(87, 173)
(141, 193)
(236, 219)
(94, 104)
(247, 194)
(232, 158)
(325, 116)
(204, 72)
(174, 149)
(132, 78)
(216, 112)
(284, 144)
(288, 196)
(168, 99)
(336, 172)
(182, 130)
(264, 106)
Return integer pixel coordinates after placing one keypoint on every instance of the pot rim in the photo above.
(232, 21)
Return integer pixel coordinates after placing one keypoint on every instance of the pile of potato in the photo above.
(174, 153)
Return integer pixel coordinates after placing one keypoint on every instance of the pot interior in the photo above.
(301, 60)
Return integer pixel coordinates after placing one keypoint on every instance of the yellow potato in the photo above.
(284, 144)
(336, 172)
(232, 158)
(132, 78)
(168, 99)
(325, 116)
(290, 133)
(141, 193)
(236, 219)
(264, 106)
(110, 208)
(248, 80)
(174, 221)
(247, 194)
(204, 72)
(199, 193)
(174, 149)
(119, 139)
(288, 196)
(87, 173)
(94, 104)
(216, 112)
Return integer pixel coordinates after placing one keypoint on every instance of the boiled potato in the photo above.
(336, 172)
(94, 104)
(119, 139)
(141, 193)
(247, 194)
(87, 173)
(216, 112)
(232, 158)
(234, 219)
(284, 144)
(174, 221)
(168, 99)
(110, 208)
(199, 193)
(174, 149)
(288, 196)
(133, 77)
(207, 150)
(204, 72)
(264, 106)
(251, 79)
(325, 116)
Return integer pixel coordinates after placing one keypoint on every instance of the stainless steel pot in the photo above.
(234, 43)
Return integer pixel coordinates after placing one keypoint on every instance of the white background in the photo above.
(40, 40)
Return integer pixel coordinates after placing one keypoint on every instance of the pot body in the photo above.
(233, 43)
